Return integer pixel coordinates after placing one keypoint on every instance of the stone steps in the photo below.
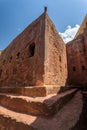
(35, 91)
(69, 114)
(31, 91)
(42, 106)
(22, 104)
(10, 120)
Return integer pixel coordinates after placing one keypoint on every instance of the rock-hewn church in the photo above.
(42, 79)
(39, 57)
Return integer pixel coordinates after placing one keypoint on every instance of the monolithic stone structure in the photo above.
(77, 57)
(32, 70)
(37, 57)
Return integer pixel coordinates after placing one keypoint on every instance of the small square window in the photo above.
(83, 67)
(74, 68)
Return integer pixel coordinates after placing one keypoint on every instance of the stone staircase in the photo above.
(19, 111)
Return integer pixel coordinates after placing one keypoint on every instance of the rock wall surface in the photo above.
(22, 62)
(77, 60)
(55, 56)
(37, 57)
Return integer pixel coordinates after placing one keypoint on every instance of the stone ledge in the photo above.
(45, 106)
(34, 91)
(69, 115)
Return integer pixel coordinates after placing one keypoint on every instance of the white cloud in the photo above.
(69, 33)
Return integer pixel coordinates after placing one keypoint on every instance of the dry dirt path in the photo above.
(82, 123)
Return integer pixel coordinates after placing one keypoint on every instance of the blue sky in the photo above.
(15, 15)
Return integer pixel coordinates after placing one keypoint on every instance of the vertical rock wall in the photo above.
(22, 62)
(55, 56)
(77, 60)
(37, 57)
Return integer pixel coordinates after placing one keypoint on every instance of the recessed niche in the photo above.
(0, 72)
(60, 58)
(18, 54)
(74, 68)
(10, 59)
(83, 67)
(31, 49)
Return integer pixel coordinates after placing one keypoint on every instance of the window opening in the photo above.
(74, 68)
(83, 67)
(18, 54)
(31, 50)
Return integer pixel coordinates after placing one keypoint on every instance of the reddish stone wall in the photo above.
(77, 60)
(55, 56)
(20, 66)
(17, 67)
